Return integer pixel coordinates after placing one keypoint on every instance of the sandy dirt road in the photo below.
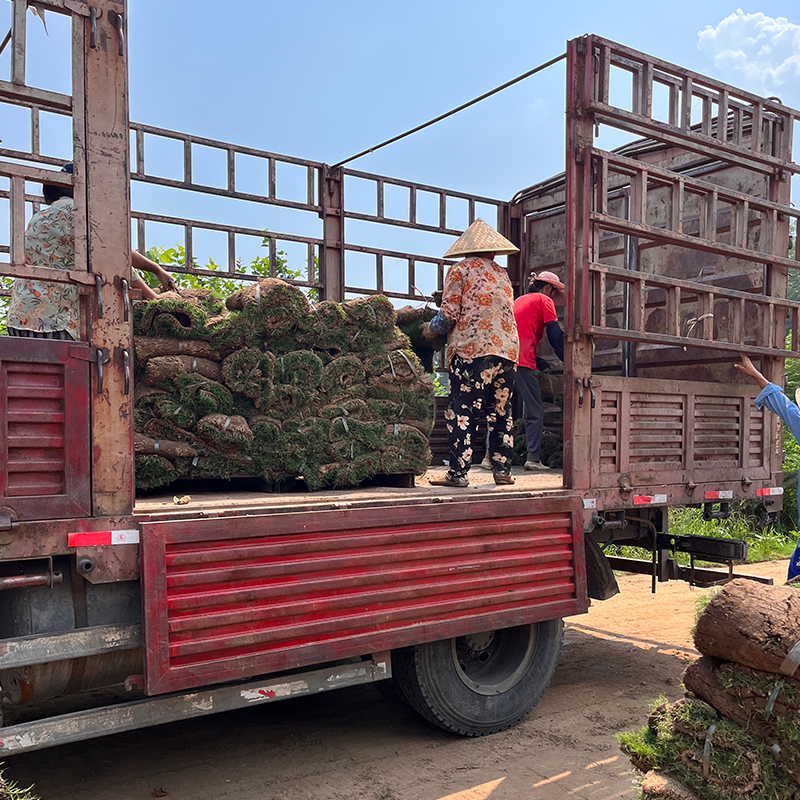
(355, 745)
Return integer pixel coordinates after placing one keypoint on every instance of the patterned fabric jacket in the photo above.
(479, 301)
(49, 242)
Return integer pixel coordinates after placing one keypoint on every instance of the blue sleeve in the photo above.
(556, 338)
(774, 400)
(441, 325)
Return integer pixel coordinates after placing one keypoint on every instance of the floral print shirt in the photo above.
(479, 301)
(49, 242)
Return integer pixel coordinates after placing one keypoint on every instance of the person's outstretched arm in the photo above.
(772, 398)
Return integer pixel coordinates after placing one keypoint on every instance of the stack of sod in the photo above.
(277, 388)
(739, 734)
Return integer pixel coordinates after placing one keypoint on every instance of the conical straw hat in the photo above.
(481, 238)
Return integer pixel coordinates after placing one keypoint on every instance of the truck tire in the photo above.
(483, 683)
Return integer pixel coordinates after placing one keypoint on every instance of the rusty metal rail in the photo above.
(770, 121)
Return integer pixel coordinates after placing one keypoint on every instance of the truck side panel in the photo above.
(258, 594)
(44, 429)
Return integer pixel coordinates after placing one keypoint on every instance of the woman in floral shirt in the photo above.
(477, 315)
(50, 310)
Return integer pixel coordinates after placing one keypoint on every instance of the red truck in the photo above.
(675, 252)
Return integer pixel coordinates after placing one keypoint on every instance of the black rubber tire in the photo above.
(483, 684)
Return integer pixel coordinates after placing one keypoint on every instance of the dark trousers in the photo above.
(26, 334)
(527, 387)
(482, 387)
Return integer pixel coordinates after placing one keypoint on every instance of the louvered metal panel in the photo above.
(247, 595)
(659, 434)
(44, 430)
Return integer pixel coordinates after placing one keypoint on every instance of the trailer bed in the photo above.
(162, 506)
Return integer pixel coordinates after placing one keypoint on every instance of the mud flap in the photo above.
(600, 580)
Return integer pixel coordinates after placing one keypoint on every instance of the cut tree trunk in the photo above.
(752, 624)
(746, 708)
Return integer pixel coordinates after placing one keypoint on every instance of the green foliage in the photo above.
(221, 287)
(767, 542)
(11, 791)
(673, 743)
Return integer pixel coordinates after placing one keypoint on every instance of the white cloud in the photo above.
(760, 53)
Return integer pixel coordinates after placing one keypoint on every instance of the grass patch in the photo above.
(766, 543)
(9, 790)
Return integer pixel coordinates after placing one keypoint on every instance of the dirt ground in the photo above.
(355, 745)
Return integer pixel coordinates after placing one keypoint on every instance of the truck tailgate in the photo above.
(238, 596)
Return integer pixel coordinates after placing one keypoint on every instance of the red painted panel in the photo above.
(44, 429)
(227, 599)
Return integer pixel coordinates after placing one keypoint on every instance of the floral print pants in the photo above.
(480, 387)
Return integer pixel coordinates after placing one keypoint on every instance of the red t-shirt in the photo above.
(532, 312)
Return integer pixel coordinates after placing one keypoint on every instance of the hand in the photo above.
(168, 296)
(428, 333)
(748, 368)
(166, 281)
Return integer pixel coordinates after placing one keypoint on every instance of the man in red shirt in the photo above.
(535, 313)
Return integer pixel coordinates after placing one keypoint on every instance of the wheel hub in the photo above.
(491, 663)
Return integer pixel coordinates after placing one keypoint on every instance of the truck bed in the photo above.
(161, 506)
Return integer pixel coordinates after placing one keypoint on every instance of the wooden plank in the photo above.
(108, 215)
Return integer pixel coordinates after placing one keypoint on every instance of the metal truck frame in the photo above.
(255, 598)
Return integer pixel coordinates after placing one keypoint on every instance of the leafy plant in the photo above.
(175, 257)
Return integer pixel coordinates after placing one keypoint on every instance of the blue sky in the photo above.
(324, 81)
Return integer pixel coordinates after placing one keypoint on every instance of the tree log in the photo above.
(150, 347)
(164, 368)
(752, 624)
(746, 708)
(144, 445)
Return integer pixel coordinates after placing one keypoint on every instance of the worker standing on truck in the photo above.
(49, 310)
(535, 313)
(477, 316)
(778, 403)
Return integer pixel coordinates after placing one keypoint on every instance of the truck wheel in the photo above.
(483, 683)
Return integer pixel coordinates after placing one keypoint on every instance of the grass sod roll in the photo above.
(161, 369)
(170, 317)
(417, 415)
(374, 313)
(304, 444)
(408, 438)
(226, 433)
(396, 461)
(172, 410)
(233, 332)
(250, 372)
(278, 307)
(368, 343)
(343, 378)
(325, 330)
(269, 447)
(292, 401)
(410, 323)
(144, 410)
(673, 743)
(203, 396)
(400, 366)
(766, 705)
(354, 408)
(301, 368)
(152, 471)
